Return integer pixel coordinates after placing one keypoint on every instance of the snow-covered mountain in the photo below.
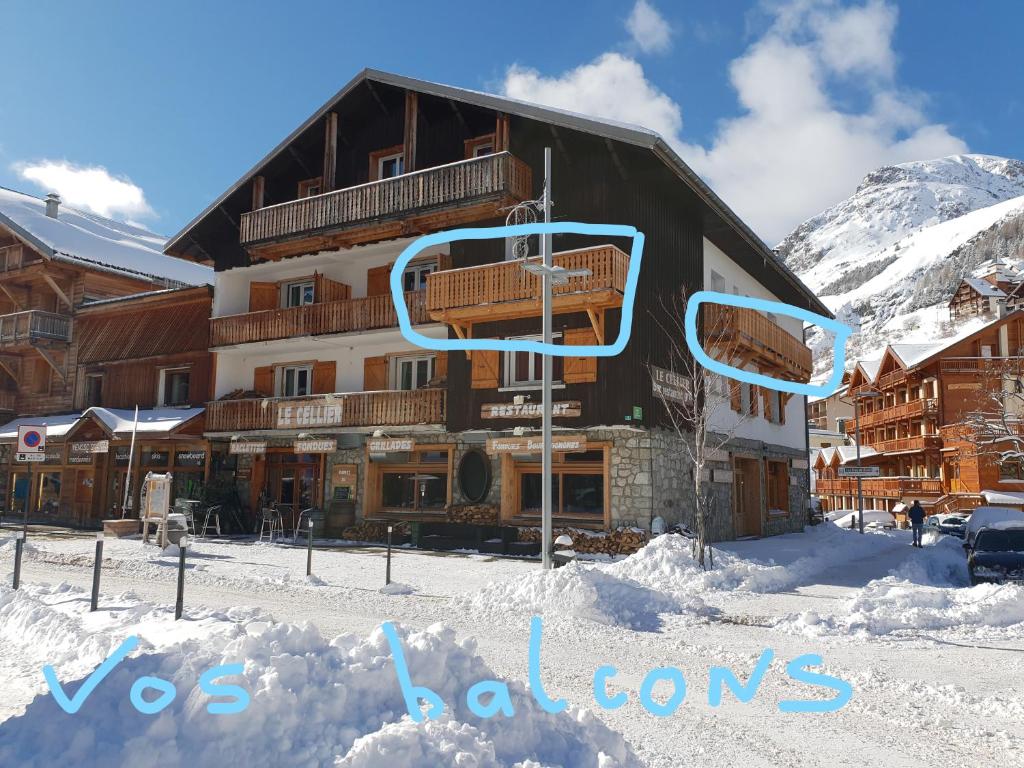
(888, 258)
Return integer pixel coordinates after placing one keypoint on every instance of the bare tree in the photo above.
(994, 427)
(701, 405)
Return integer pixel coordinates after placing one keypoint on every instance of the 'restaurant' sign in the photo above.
(316, 446)
(249, 446)
(302, 413)
(671, 386)
(91, 446)
(535, 444)
(390, 444)
(529, 410)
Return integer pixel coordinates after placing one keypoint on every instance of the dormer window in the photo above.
(310, 187)
(387, 163)
(480, 146)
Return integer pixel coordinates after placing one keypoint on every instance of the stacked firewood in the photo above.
(622, 541)
(372, 531)
(476, 514)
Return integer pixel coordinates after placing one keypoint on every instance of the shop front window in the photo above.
(577, 485)
(49, 493)
(418, 491)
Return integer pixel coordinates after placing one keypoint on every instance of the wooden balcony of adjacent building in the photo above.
(435, 198)
(318, 319)
(880, 487)
(34, 327)
(505, 290)
(982, 365)
(906, 444)
(913, 409)
(750, 337)
(384, 408)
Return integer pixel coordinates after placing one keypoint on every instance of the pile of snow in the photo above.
(313, 701)
(396, 588)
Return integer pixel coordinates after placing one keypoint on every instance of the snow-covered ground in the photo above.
(937, 668)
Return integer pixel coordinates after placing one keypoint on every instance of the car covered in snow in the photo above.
(873, 518)
(986, 517)
(951, 525)
(997, 554)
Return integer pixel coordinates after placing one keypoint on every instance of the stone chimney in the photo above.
(52, 204)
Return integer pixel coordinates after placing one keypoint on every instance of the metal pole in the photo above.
(179, 603)
(96, 572)
(546, 462)
(860, 482)
(387, 573)
(131, 459)
(19, 544)
(309, 547)
(28, 500)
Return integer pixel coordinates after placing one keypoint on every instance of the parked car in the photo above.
(873, 518)
(997, 554)
(986, 517)
(951, 525)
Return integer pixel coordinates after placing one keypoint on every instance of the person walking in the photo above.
(916, 515)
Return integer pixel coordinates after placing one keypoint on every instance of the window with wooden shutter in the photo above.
(766, 404)
(263, 380)
(377, 280)
(375, 373)
(326, 289)
(324, 376)
(263, 296)
(441, 365)
(444, 261)
(579, 370)
(735, 398)
(484, 369)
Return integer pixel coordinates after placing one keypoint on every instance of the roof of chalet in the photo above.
(115, 421)
(911, 354)
(609, 129)
(870, 367)
(982, 287)
(94, 241)
(847, 453)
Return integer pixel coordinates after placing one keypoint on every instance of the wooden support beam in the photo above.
(228, 216)
(17, 304)
(464, 333)
(377, 98)
(597, 321)
(53, 363)
(559, 144)
(301, 163)
(615, 159)
(57, 289)
(458, 114)
(411, 118)
(330, 151)
(258, 190)
(501, 133)
(5, 366)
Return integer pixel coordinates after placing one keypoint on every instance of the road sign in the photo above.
(855, 471)
(31, 439)
(30, 457)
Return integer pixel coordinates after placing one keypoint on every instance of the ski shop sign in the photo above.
(529, 410)
(298, 414)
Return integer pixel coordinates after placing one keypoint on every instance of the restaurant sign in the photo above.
(316, 445)
(529, 410)
(91, 446)
(671, 386)
(248, 447)
(301, 413)
(390, 444)
(535, 444)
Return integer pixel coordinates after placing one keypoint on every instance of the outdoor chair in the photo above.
(271, 521)
(212, 519)
(306, 514)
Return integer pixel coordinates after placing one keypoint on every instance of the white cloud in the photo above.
(794, 149)
(648, 28)
(91, 188)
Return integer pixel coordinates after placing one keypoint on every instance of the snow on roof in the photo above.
(1003, 497)
(911, 354)
(984, 287)
(848, 453)
(151, 421)
(870, 367)
(93, 240)
(56, 426)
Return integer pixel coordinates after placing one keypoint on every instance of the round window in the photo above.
(475, 475)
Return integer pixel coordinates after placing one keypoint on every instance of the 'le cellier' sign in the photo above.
(299, 414)
(535, 444)
(528, 410)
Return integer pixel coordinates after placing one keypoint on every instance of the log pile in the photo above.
(622, 541)
(475, 514)
(372, 531)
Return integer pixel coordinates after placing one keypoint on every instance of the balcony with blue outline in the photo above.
(753, 338)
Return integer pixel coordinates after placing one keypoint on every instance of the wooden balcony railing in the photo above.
(915, 443)
(504, 289)
(358, 409)
(346, 316)
(457, 184)
(11, 257)
(913, 409)
(750, 331)
(992, 365)
(885, 487)
(34, 325)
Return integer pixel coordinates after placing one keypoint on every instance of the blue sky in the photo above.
(148, 111)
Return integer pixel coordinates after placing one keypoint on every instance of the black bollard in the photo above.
(182, 545)
(387, 574)
(96, 572)
(309, 548)
(19, 545)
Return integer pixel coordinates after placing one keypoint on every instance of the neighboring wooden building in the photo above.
(913, 408)
(832, 412)
(995, 288)
(306, 341)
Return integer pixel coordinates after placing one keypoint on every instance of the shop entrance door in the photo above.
(291, 483)
(747, 496)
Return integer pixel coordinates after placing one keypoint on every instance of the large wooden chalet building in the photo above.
(94, 321)
(320, 401)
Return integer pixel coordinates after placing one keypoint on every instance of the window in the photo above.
(174, 386)
(93, 390)
(1011, 470)
(413, 372)
(577, 485)
(414, 278)
(525, 369)
(778, 487)
(717, 282)
(775, 406)
(298, 294)
(390, 166)
(480, 146)
(295, 381)
(41, 378)
(310, 187)
(747, 403)
(421, 485)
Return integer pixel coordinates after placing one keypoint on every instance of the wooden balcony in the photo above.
(754, 338)
(907, 444)
(34, 326)
(977, 365)
(385, 408)
(901, 412)
(433, 198)
(11, 257)
(8, 399)
(883, 487)
(505, 290)
(346, 316)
